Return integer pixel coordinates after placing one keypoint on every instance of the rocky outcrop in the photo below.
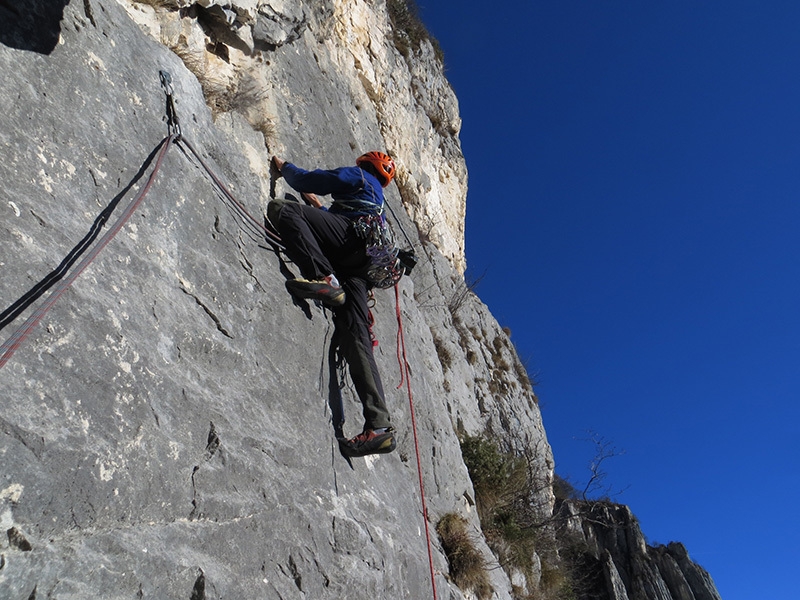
(166, 429)
(618, 564)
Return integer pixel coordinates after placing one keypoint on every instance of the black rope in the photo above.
(10, 346)
(264, 230)
(394, 216)
(38, 290)
(248, 222)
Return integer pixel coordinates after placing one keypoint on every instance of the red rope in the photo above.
(11, 345)
(404, 375)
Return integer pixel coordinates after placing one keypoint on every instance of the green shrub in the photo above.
(563, 489)
(557, 584)
(497, 477)
(502, 491)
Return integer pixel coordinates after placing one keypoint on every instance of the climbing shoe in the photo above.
(326, 290)
(369, 442)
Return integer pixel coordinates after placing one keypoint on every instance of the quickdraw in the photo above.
(173, 126)
(385, 269)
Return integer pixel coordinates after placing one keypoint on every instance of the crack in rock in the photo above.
(212, 445)
(17, 540)
(87, 9)
(199, 589)
(208, 311)
(248, 266)
(294, 573)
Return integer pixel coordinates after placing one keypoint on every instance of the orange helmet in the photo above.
(382, 164)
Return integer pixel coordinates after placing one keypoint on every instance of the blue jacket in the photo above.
(354, 191)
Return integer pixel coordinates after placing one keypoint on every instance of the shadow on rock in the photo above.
(33, 25)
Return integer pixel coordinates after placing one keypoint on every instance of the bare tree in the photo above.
(604, 450)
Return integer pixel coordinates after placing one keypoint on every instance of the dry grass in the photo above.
(467, 565)
(444, 354)
(171, 4)
(409, 30)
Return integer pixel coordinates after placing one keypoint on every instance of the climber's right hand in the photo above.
(277, 164)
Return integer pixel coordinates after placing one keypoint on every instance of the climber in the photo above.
(329, 246)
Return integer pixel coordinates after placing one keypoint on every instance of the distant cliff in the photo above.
(166, 427)
(616, 562)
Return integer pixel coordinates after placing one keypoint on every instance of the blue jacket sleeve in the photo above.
(337, 181)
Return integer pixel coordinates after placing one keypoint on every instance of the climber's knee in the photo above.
(274, 211)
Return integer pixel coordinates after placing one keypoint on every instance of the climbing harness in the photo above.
(405, 377)
(387, 263)
(385, 269)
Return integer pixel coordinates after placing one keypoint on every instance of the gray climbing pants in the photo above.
(321, 243)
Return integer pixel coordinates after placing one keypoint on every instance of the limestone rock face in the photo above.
(167, 426)
(254, 55)
(166, 429)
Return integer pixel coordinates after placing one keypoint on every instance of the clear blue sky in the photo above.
(634, 209)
